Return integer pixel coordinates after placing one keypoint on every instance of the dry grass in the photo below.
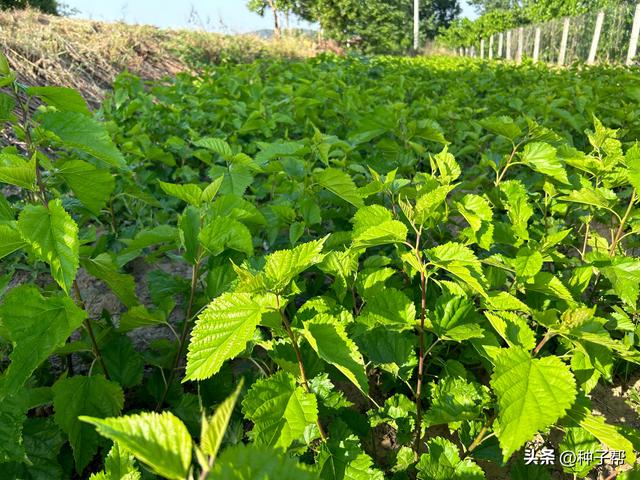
(88, 55)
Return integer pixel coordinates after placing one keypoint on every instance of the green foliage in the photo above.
(375, 247)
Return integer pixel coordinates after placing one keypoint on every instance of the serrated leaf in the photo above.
(53, 236)
(189, 192)
(36, 326)
(10, 240)
(123, 285)
(442, 462)
(503, 126)
(18, 171)
(225, 232)
(221, 332)
(580, 415)
(388, 307)
(119, 465)
(75, 130)
(532, 395)
(284, 265)
(279, 409)
(528, 262)
(95, 396)
(13, 413)
(91, 185)
(624, 275)
(391, 231)
(216, 145)
(214, 428)
(138, 316)
(159, 440)
(460, 262)
(328, 337)
(454, 319)
(344, 459)
(543, 158)
(63, 98)
(512, 328)
(548, 284)
(253, 462)
(454, 399)
(341, 184)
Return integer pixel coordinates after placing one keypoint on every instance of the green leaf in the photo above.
(214, 428)
(513, 329)
(190, 193)
(15, 170)
(580, 415)
(548, 284)
(91, 185)
(283, 266)
(328, 337)
(453, 399)
(75, 130)
(543, 158)
(280, 410)
(43, 441)
(119, 465)
(454, 319)
(388, 307)
(225, 232)
(517, 206)
(216, 145)
(138, 316)
(159, 440)
(532, 395)
(10, 240)
(344, 459)
(373, 226)
(624, 275)
(341, 184)
(460, 262)
(595, 197)
(442, 462)
(63, 98)
(53, 236)
(222, 331)
(124, 363)
(95, 396)
(253, 462)
(13, 413)
(103, 268)
(36, 326)
(503, 126)
(632, 159)
(528, 262)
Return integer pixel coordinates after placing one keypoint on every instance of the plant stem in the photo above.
(421, 358)
(87, 324)
(31, 150)
(544, 340)
(195, 272)
(618, 234)
(481, 436)
(508, 164)
(296, 349)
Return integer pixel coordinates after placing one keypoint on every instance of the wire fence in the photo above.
(607, 36)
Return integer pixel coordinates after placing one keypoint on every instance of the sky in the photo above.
(229, 16)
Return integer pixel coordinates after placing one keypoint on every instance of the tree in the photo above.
(381, 26)
(46, 6)
(277, 7)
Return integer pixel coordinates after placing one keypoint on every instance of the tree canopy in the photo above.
(47, 6)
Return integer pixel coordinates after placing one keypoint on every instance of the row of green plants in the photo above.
(350, 268)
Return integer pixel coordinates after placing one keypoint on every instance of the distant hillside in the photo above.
(88, 55)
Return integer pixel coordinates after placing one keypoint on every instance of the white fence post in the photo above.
(416, 25)
(500, 44)
(508, 49)
(563, 43)
(596, 38)
(491, 47)
(633, 41)
(520, 45)
(482, 48)
(536, 45)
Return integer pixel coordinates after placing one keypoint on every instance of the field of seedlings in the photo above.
(335, 268)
